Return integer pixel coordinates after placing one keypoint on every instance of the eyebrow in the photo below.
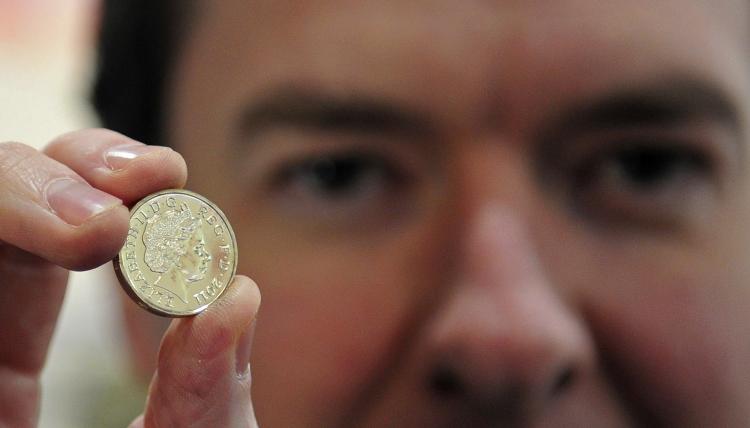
(662, 104)
(311, 110)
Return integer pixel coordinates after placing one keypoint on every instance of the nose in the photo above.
(504, 344)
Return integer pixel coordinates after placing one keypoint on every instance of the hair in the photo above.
(166, 236)
(138, 43)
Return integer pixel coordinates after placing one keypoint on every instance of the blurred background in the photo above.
(46, 57)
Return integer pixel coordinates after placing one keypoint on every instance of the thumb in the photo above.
(202, 377)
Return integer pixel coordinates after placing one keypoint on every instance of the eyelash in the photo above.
(647, 160)
(333, 170)
(649, 183)
(342, 187)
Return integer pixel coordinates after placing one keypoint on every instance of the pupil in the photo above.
(647, 167)
(337, 175)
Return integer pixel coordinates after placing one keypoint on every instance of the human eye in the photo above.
(646, 182)
(340, 187)
(337, 177)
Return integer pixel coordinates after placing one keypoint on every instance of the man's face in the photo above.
(483, 213)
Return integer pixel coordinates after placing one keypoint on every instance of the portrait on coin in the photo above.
(175, 247)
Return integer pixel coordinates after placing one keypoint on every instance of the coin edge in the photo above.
(125, 284)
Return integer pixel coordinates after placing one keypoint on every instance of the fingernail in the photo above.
(244, 348)
(118, 157)
(75, 202)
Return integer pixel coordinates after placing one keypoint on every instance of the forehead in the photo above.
(509, 50)
(304, 23)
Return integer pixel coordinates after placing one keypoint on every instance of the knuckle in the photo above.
(194, 361)
(15, 159)
(12, 154)
(14, 146)
(194, 386)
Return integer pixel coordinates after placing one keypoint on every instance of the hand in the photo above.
(203, 376)
(65, 208)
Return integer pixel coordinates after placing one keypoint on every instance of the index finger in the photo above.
(50, 211)
(117, 164)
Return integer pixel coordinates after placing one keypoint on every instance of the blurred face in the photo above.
(485, 213)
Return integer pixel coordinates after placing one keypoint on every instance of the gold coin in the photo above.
(180, 253)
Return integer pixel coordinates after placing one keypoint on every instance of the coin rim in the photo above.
(120, 268)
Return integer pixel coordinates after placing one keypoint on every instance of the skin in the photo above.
(536, 216)
(46, 232)
(483, 254)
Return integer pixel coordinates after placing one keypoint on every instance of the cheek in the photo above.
(334, 315)
(670, 325)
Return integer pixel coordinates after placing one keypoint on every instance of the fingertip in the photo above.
(248, 296)
(230, 315)
(214, 331)
(117, 164)
(245, 293)
(68, 143)
(200, 362)
(161, 168)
